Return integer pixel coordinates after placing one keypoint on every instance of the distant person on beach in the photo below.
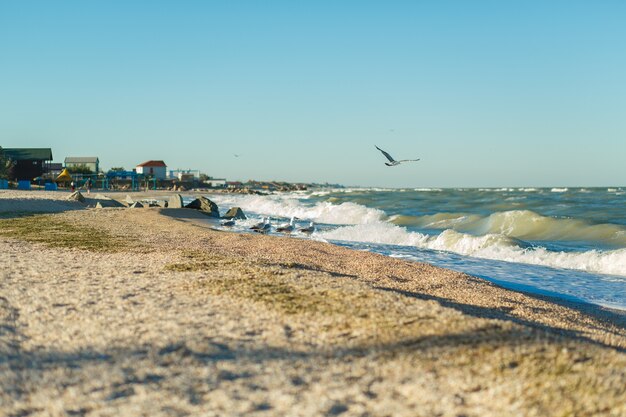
(88, 185)
(72, 186)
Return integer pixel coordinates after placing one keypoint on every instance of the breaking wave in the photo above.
(500, 236)
(289, 205)
(521, 224)
(490, 246)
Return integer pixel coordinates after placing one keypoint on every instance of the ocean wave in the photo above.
(499, 236)
(379, 232)
(435, 221)
(520, 224)
(289, 206)
(528, 225)
(559, 190)
(490, 246)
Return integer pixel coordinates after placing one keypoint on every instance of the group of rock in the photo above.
(202, 204)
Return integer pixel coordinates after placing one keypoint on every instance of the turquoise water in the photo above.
(566, 242)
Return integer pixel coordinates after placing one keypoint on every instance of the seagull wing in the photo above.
(386, 154)
(409, 160)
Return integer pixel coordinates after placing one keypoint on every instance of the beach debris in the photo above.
(175, 201)
(129, 200)
(76, 196)
(287, 227)
(309, 229)
(392, 162)
(234, 213)
(205, 205)
(263, 226)
(162, 203)
(136, 204)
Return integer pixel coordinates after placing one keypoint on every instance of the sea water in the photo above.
(563, 242)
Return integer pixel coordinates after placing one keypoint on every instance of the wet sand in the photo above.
(121, 311)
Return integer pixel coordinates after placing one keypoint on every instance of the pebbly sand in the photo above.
(133, 312)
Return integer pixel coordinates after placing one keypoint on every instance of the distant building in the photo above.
(28, 163)
(234, 184)
(155, 169)
(53, 169)
(90, 162)
(183, 174)
(216, 182)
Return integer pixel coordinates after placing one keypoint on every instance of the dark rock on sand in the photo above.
(204, 205)
(235, 213)
(102, 201)
(76, 196)
(176, 201)
(136, 204)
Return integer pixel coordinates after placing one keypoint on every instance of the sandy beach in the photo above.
(117, 311)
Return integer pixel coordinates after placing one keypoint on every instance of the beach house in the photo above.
(91, 163)
(216, 182)
(28, 163)
(154, 169)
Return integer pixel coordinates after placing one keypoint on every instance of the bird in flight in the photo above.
(392, 162)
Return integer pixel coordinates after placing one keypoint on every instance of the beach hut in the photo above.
(155, 169)
(28, 162)
(91, 163)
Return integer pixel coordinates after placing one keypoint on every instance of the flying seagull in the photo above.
(392, 162)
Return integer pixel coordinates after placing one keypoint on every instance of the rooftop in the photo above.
(81, 160)
(152, 164)
(26, 154)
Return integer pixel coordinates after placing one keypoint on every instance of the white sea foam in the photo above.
(378, 232)
(490, 246)
(492, 237)
(559, 190)
(521, 224)
(287, 206)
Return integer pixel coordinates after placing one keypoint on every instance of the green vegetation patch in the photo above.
(54, 232)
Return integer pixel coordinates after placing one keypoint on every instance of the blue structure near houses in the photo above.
(4, 185)
(137, 180)
(23, 185)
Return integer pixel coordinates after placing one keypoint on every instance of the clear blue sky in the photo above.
(487, 93)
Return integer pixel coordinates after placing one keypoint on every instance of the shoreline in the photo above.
(191, 216)
(173, 315)
(610, 313)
